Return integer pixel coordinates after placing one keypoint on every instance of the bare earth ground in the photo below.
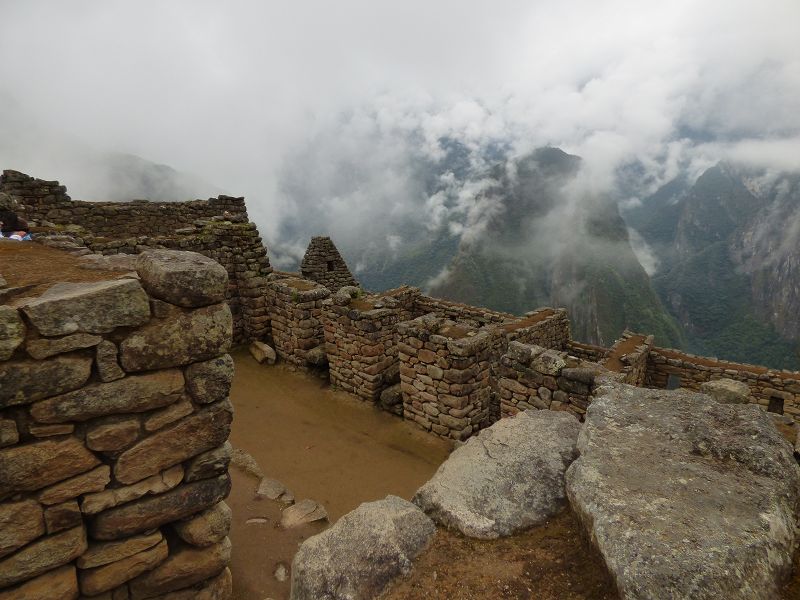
(322, 444)
(29, 263)
(551, 562)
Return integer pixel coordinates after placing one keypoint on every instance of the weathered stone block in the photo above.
(184, 337)
(207, 528)
(58, 584)
(25, 381)
(91, 481)
(156, 484)
(210, 381)
(9, 435)
(20, 522)
(147, 513)
(44, 348)
(184, 567)
(42, 555)
(219, 587)
(137, 393)
(97, 307)
(112, 433)
(12, 331)
(106, 359)
(159, 418)
(62, 516)
(209, 464)
(183, 278)
(194, 434)
(107, 577)
(32, 466)
(104, 553)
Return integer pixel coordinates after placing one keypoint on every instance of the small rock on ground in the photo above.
(305, 511)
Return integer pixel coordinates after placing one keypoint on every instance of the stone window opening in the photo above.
(331, 266)
(775, 405)
(673, 381)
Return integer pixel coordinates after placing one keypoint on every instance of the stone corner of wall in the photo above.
(113, 430)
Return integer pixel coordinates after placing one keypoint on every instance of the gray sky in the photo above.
(231, 91)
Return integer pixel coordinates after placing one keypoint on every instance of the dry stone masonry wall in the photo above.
(114, 416)
(323, 263)
(361, 342)
(776, 391)
(297, 311)
(48, 201)
(444, 374)
(533, 377)
(217, 228)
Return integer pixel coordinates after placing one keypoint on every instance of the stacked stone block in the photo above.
(323, 263)
(361, 342)
(114, 416)
(532, 377)
(296, 307)
(691, 371)
(444, 374)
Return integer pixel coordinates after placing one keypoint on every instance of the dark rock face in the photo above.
(684, 494)
(507, 478)
(358, 556)
(183, 278)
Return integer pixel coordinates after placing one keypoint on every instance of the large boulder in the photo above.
(97, 307)
(184, 278)
(685, 497)
(507, 478)
(358, 556)
(727, 391)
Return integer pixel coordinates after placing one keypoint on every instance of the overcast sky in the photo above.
(231, 90)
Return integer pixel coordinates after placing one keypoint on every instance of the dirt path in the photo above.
(321, 444)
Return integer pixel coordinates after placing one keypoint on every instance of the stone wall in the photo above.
(546, 327)
(444, 374)
(532, 377)
(771, 389)
(296, 307)
(361, 342)
(48, 201)
(114, 416)
(628, 356)
(323, 263)
(589, 352)
(461, 312)
(217, 228)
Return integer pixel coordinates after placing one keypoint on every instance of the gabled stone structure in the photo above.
(323, 263)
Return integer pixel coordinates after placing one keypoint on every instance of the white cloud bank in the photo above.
(272, 99)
